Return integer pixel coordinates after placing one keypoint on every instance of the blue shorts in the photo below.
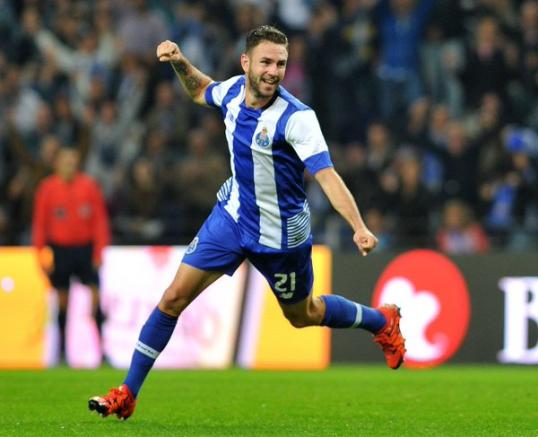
(220, 246)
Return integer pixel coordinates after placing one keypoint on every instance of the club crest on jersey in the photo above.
(262, 138)
(192, 246)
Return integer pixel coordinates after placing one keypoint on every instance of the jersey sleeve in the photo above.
(216, 91)
(303, 133)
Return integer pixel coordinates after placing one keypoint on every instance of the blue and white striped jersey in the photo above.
(269, 150)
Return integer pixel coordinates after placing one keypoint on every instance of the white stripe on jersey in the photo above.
(299, 227)
(225, 190)
(303, 133)
(232, 206)
(264, 177)
(220, 90)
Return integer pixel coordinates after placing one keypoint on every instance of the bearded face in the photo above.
(265, 67)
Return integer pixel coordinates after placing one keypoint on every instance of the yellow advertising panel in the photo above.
(23, 309)
(267, 339)
(280, 345)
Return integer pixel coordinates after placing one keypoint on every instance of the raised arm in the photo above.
(342, 200)
(193, 80)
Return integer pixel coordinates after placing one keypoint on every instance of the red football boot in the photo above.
(390, 338)
(119, 401)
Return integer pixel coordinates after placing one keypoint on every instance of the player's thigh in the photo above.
(216, 247)
(289, 273)
(187, 284)
(214, 251)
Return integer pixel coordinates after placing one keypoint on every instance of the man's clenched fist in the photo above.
(168, 51)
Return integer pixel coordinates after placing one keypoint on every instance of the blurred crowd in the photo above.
(429, 107)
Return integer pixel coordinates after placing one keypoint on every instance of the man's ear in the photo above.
(245, 61)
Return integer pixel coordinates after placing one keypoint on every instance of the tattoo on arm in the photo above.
(190, 76)
(180, 68)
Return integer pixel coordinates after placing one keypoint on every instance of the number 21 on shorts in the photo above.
(285, 284)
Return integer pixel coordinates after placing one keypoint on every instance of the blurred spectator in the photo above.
(443, 40)
(411, 203)
(319, 42)
(459, 232)
(486, 122)
(108, 155)
(26, 106)
(401, 26)
(522, 144)
(161, 153)
(377, 222)
(141, 28)
(83, 64)
(437, 135)
(24, 46)
(460, 165)
(485, 69)
(196, 180)
(417, 121)
(130, 82)
(198, 39)
(351, 53)
(528, 62)
(31, 169)
(108, 41)
(169, 114)
(211, 124)
(138, 203)
(379, 149)
(294, 15)
(296, 80)
(360, 179)
(500, 197)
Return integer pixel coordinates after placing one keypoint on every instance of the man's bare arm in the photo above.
(342, 201)
(193, 80)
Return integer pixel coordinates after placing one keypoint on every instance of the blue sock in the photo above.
(153, 338)
(343, 313)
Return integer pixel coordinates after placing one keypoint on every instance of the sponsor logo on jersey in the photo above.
(262, 138)
(192, 246)
(434, 301)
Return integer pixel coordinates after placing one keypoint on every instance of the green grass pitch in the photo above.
(341, 401)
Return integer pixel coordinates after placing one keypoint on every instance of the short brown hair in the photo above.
(265, 33)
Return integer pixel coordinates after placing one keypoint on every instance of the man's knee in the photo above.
(298, 320)
(187, 284)
(175, 299)
(309, 317)
(310, 314)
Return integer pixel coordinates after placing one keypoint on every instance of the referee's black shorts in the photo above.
(72, 261)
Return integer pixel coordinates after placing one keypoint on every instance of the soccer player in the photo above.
(261, 212)
(70, 217)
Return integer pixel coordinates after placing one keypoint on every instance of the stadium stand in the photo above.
(425, 104)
